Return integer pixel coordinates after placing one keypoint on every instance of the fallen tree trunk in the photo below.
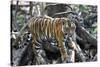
(85, 35)
(17, 55)
(49, 47)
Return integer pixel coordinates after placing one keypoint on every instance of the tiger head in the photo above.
(68, 27)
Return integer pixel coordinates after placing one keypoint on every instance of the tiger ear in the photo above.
(63, 23)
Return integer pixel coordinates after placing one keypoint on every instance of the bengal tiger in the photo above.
(57, 28)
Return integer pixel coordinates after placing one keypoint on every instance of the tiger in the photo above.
(57, 28)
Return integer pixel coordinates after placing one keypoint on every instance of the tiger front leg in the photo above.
(63, 51)
(40, 56)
